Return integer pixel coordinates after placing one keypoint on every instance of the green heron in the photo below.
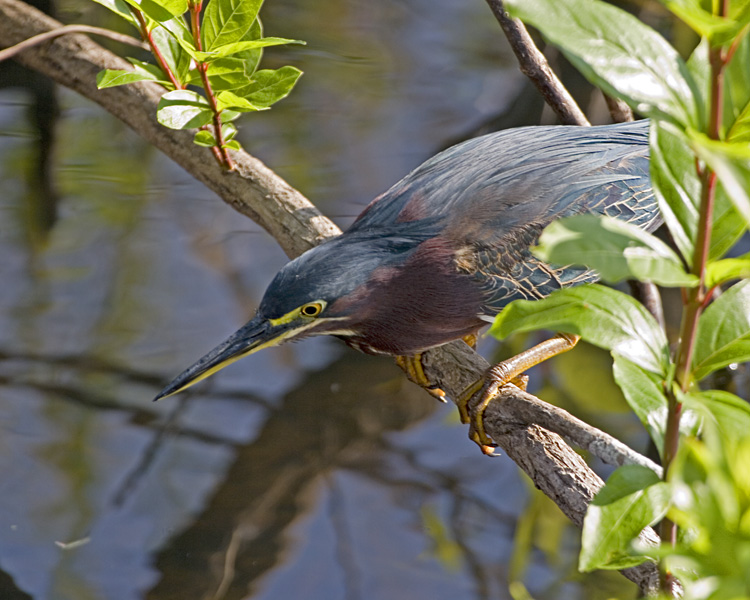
(445, 249)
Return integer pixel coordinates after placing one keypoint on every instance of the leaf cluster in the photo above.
(692, 144)
(218, 54)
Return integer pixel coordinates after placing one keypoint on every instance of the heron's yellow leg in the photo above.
(412, 367)
(508, 371)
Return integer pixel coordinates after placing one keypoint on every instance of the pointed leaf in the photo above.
(633, 498)
(230, 115)
(644, 392)
(723, 335)
(227, 21)
(717, 29)
(174, 8)
(183, 109)
(602, 316)
(676, 185)
(228, 130)
(678, 190)
(114, 77)
(233, 101)
(729, 412)
(737, 94)
(204, 138)
(270, 86)
(160, 10)
(172, 38)
(617, 53)
(731, 163)
(224, 74)
(241, 47)
(728, 269)
(615, 249)
(119, 7)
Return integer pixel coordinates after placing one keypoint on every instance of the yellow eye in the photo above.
(311, 310)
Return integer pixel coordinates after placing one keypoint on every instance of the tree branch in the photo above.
(67, 30)
(255, 191)
(534, 65)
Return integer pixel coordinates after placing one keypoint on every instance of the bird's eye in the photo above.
(311, 310)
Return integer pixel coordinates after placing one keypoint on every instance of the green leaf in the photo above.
(721, 271)
(227, 74)
(644, 392)
(678, 191)
(145, 67)
(114, 77)
(633, 498)
(234, 102)
(617, 53)
(233, 145)
(270, 86)
(160, 10)
(740, 131)
(602, 316)
(228, 130)
(183, 109)
(731, 163)
(723, 335)
(241, 47)
(172, 38)
(615, 249)
(737, 94)
(730, 413)
(250, 58)
(676, 185)
(227, 21)
(229, 115)
(204, 138)
(176, 8)
(717, 29)
(120, 7)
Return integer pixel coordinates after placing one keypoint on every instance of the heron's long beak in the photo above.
(256, 335)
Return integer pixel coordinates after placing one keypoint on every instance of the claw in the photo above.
(509, 371)
(412, 367)
(463, 400)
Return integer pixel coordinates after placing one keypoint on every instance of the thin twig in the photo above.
(647, 293)
(534, 65)
(618, 110)
(65, 30)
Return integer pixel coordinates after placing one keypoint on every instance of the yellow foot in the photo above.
(471, 340)
(412, 367)
(490, 388)
(508, 371)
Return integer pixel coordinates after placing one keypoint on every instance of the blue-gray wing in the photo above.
(493, 195)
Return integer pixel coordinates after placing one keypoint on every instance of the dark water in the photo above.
(307, 471)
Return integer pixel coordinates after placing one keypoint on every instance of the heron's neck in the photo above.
(420, 303)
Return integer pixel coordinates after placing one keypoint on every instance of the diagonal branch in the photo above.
(257, 192)
(534, 65)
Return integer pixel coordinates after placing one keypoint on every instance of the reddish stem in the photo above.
(226, 160)
(696, 298)
(146, 34)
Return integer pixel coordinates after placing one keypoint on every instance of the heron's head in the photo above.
(328, 290)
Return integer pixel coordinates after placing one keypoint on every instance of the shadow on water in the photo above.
(242, 532)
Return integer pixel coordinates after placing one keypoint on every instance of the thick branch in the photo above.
(255, 191)
(514, 420)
